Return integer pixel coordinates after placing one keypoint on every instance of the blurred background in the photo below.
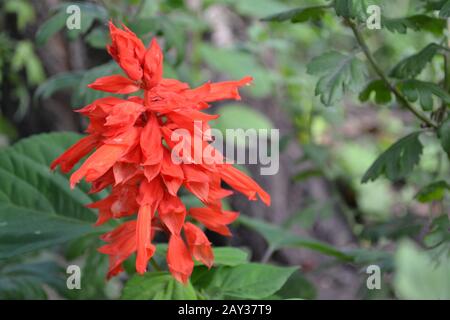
(319, 206)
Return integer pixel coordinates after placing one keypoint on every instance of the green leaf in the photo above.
(381, 91)
(411, 66)
(338, 73)
(25, 58)
(157, 286)
(60, 81)
(344, 8)
(223, 256)
(21, 281)
(415, 23)
(444, 12)
(24, 11)
(37, 207)
(247, 281)
(279, 238)
(398, 160)
(297, 286)
(238, 64)
(433, 192)
(248, 119)
(259, 8)
(50, 27)
(297, 15)
(229, 256)
(418, 276)
(414, 89)
(98, 38)
(84, 95)
(444, 135)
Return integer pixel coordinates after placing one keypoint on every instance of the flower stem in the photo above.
(362, 43)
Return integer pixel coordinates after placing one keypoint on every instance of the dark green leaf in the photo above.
(415, 22)
(37, 207)
(157, 286)
(414, 89)
(69, 80)
(338, 73)
(247, 281)
(344, 8)
(50, 27)
(297, 286)
(433, 192)
(397, 161)
(411, 66)
(444, 12)
(380, 89)
(27, 280)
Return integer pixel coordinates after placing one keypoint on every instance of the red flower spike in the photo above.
(132, 151)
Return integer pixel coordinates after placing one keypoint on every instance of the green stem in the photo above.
(362, 43)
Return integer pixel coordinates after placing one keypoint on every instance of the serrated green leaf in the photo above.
(433, 192)
(398, 160)
(338, 73)
(423, 91)
(157, 286)
(298, 15)
(380, 89)
(411, 66)
(37, 207)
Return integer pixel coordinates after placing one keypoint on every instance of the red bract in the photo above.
(130, 145)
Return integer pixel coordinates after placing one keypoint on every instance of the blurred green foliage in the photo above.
(308, 66)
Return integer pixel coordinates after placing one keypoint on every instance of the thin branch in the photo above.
(362, 43)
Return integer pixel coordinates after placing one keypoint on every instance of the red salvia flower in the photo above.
(130, 147)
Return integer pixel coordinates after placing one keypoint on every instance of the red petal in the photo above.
(179, 260)
(242, 183)
(153, 65)
(214, 220)
(75, 153)
(198, 244)
(151, 143)
(114, 84)
(172, 212)
(145, 249)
